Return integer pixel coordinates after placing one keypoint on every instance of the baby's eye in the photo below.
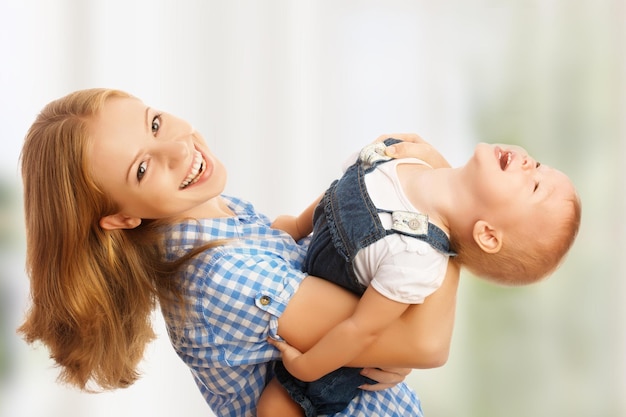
(141, 171)
(156, 123)
(536, 186)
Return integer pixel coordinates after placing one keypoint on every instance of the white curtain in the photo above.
(284, 91)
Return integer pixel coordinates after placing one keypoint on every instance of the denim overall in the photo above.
(346, 221)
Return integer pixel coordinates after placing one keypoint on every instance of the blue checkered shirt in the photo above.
(235, 294)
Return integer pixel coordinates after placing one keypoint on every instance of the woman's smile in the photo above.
(198, 165)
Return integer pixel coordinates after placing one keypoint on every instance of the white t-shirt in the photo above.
(399, 267)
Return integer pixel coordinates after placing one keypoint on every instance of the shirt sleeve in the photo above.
(241, 298)
(236, 298)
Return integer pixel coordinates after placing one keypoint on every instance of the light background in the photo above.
(284, 91)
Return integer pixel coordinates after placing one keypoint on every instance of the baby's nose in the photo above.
(529, 163)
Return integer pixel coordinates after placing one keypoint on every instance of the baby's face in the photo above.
(514, 188)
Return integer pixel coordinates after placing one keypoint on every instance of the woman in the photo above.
(120, 200)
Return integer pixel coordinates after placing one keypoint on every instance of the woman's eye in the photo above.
(156, 123)
(141, 171)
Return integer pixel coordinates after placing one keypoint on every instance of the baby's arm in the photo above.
(345, 341)
(419, 339)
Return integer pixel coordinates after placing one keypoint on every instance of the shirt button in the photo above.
(265, 300)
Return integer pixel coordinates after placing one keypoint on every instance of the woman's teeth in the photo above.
(196, 170)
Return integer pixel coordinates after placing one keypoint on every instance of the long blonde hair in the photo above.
(92, 291)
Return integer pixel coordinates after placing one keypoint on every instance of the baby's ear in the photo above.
(488, 238)
(119, 221)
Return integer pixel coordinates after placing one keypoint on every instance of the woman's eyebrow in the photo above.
(145, 123)
(136, 157)
(129, 173)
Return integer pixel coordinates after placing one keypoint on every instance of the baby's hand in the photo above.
(289, 353)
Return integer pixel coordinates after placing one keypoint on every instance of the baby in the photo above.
(386, 230)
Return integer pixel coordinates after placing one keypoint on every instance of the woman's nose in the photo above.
(172, 152)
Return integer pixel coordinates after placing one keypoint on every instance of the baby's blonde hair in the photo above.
(522, 259)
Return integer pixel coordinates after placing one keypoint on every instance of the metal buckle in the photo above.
(409, 222)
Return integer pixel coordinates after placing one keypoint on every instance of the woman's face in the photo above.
(153, 165)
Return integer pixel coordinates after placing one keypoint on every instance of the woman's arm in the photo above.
(297, 227)
(420, 338)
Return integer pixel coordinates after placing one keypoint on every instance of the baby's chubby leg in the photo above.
(275, 401)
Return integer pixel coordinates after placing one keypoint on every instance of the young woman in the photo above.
(124, 210)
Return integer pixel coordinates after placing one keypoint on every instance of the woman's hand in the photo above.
(387, 377)
(414, 146)
(405, 137)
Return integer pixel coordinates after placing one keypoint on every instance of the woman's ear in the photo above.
(486, 237)
(119, 221)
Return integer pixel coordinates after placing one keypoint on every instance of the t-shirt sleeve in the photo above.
(402, 268)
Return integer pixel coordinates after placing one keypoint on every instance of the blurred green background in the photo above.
(284, 91)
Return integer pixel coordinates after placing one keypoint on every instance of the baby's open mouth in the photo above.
(505, 158)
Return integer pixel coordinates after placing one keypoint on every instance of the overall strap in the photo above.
(416, 225)
(404, 222)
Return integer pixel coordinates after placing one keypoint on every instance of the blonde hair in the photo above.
(92, 290)
(522, 259)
